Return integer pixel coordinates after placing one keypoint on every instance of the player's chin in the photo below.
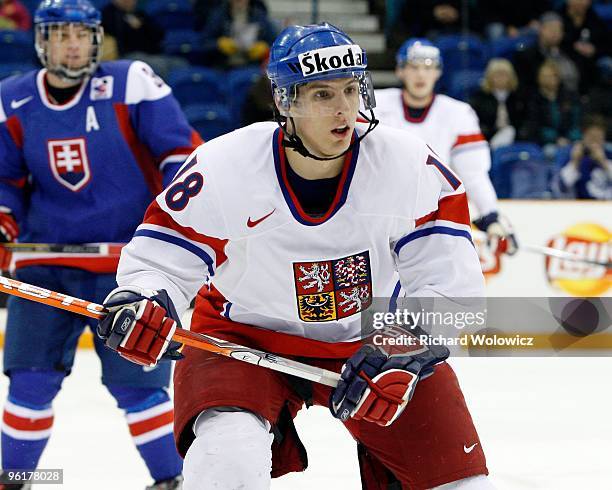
(337, 147)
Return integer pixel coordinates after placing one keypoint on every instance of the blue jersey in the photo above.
(85, 171)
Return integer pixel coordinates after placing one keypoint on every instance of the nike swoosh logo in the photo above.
(251, 223)
(468, 450)
(16, 104)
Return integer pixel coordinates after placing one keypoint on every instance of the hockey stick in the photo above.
(87, 248)
(193, 339)
(562, 254)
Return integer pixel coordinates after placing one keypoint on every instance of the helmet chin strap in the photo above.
(66, 77)
(294, 142)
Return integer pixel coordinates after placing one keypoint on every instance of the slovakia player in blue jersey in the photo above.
(293, 228)
(84, 147)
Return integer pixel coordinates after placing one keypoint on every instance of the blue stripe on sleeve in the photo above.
(226, 313)
(394, 295)
(441, 230)
(164, 237)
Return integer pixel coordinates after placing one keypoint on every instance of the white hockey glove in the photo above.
(500, 235)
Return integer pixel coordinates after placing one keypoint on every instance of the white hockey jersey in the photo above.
(452, 129)
(231, 220)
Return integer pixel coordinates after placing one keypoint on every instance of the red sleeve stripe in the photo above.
(450, 208)
(141, 153)
(176, 154)
(181, 151)
(157, 216)
(19, 183)
(196, 139)
(13, 124)
(464, 139)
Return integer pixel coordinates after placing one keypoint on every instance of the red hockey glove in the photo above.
(140, 325)
(9, 231)
(377, 387)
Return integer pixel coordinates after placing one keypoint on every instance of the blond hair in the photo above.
(499, 64)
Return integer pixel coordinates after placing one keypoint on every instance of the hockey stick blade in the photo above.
(187, 337)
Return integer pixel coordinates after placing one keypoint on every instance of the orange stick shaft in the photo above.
(187, 337)
(51, 298)
(86, 308)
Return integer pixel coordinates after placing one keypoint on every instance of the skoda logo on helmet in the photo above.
(332, 58)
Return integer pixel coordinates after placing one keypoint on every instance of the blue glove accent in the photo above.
(484, 222)
(372, 361)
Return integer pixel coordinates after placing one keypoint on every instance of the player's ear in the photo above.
(277, 104)
(438, 74)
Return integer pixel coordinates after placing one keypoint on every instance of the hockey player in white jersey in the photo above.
(284, 234)
(450, 127)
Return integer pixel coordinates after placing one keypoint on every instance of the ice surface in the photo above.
(544, 423)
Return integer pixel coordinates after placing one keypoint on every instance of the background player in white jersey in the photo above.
(295, 227)
(84, 147)
(450, 127)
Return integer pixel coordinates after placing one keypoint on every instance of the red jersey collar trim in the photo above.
(425, 110)
(44, 94)
(348, 168)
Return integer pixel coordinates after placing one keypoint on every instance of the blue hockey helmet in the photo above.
(419, 50)
(302, 54)
(49, 19)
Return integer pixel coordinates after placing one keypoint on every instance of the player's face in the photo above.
(325, 114)
(419, 79)
(70, 45)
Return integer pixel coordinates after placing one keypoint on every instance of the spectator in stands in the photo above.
(136, 36)
(259, 104)
(203, 8)
(588, 173)
(553, 116)
(432, 18)
(586, 39)
(512, 17)
(499, 108)
(237, 33)
(14, 16)
(598, 100)
(550, 37)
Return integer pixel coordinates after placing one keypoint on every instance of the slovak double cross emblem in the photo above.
(69, 162)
